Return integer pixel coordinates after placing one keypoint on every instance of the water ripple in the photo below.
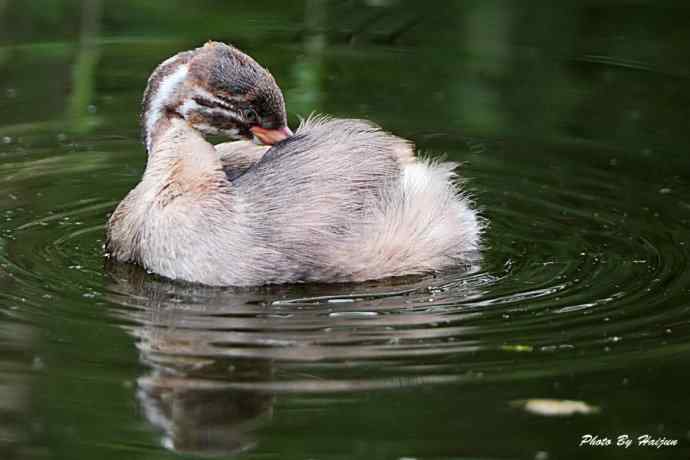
(570, 269)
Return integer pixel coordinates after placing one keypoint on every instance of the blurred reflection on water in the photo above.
(571, 120)
(219, 355)
(15, 387)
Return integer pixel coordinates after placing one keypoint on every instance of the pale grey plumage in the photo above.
(340, 201)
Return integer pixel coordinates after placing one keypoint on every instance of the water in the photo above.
(571, 121)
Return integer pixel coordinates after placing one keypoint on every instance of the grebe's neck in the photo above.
(162, 96)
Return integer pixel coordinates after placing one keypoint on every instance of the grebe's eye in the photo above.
(250, 116)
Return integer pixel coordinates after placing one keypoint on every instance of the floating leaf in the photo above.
(555, 407)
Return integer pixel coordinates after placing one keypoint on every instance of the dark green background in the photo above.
(572, 120)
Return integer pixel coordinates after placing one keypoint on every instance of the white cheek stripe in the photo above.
(190, 105)
(166, 89)
(206, 95)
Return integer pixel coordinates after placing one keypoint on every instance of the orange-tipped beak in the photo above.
(271, 136)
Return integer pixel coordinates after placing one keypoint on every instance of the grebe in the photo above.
(338, 201)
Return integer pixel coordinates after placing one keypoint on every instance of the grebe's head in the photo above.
(217, 89)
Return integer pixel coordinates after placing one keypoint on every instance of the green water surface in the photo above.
(572, 121)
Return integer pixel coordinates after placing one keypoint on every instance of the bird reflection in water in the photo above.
(188, 392)
(200, 417)
(218, 356)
